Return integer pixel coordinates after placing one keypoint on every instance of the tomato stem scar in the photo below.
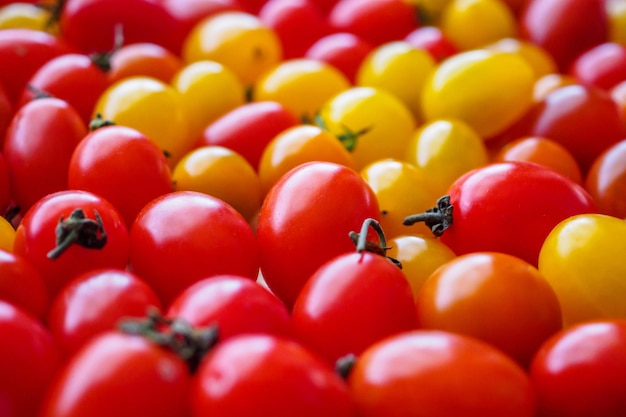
(438, 218)
(78, 229)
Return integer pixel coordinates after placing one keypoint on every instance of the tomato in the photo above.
(433, 40)
(480, 294)
(122, 165)
(606, 180)
(22, 15)
(582, 259)
(275, 376)
(362, 290)
(302, 85)
(236, 304)
(184, 236)
(139, 377)
(29, 361)
(581, 370)
(5, 185)
(22, 285)
(372, 123)
(344, 51)
(472, 24)
(601, 66)
(530, 200)
(439, 374)
(222, 173)
(564, 28)
(539, 59)
(38, 147)
(248, 128)
(616, 11)
(7, 235)
(70, 232)
(550, 82)
(305, 220)
(485, 89)
(144, 59)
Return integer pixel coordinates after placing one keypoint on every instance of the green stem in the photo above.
(79, 230)
(438, 218)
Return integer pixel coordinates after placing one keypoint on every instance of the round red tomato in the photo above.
(22, 285)
(606, 181)
(343, 50)
(603, 66)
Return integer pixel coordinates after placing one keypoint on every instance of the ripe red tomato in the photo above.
(305, 221)
(343, 50)
(70, 232)
(581, 370)
(508, 207)
(267, 375)
(22, 285)
(6, 112)
(185, 236)
(5, 186)
(602, 66)
(606, 181)
(432, 39)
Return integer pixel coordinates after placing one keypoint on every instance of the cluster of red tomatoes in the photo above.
(381, 208)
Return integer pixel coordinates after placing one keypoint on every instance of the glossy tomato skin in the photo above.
(511, 207)
(267, 375)
(5, 185)
(305, 220)
(22, 285)
(580, 371)
(185, 236)
(606, 180)
(432, 39)
(139, 377)
(29, 361)
(343, 50)
(429, 373)
(36, 237)
(362, 292)
(603, 66)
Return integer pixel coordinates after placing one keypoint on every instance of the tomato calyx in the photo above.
(102, 60)
(437, 218)
(189, 343)
(98, 122)
(345, 364)
(38, 93)
(364, 245)
(348, 138)
(80, 230)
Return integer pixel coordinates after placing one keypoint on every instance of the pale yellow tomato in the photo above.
(7, 235)
(401, 190)
(487, 90)
(208, 90)
(301, 85)
(400, 69)
(471, 24)
(444, 149)
(372, 123)
(27, 16)
(222, 173)
(238, 40)
(538, 58)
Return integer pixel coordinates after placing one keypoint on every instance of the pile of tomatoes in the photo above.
(380, 208)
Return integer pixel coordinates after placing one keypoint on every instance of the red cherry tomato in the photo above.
(6, 112)
(5, 186)
(602, 66)
(432, 39)
(606, 181)
(22, 285)
(344, 51)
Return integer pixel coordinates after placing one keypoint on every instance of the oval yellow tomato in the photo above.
(7, 235)
(538, 58)
(27, 16)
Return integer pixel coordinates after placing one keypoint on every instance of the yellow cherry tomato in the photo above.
(583, 259)
(401, 190)
(616, 11)
(297, 145)
(445, 149)
(208, 90)
(420, 256)
(301, 85)
(222, 173)
(152, 107)
(400, 69)
(372, 123)
(538, 58)
(471, 24)
(27, 16)
(7, 235)
(238, 40)
(487, 90)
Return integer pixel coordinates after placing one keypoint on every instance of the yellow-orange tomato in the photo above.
(7, 235)
(222, 173)
(541, 151)
(401, 190)
(487, 90)
(538, 58)
(445, 149)
(297, 145)
(420, 256)
(26, 16)
(239, 41)
(606, 180)
(550, 82)
(471, 24)
(208, 90)
(400, 69)
(152, 107)
(373, 123)
(616, 12)
(301, 85)
(148, 59)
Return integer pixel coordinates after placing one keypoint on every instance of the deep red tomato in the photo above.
(581, 370)
(6, 112)
(603, 66)
(120, 375)
(508, 207)
(29, 361)
(185, 236)
(5, 186)
(266, 375)
(70, 232)
(95, 302)
(122, 165)
(430, 373)
(432, 39)
(606, 181)
(305, 221)
(38, 147)
(22, 285)
(236, 304)
(249, 128)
